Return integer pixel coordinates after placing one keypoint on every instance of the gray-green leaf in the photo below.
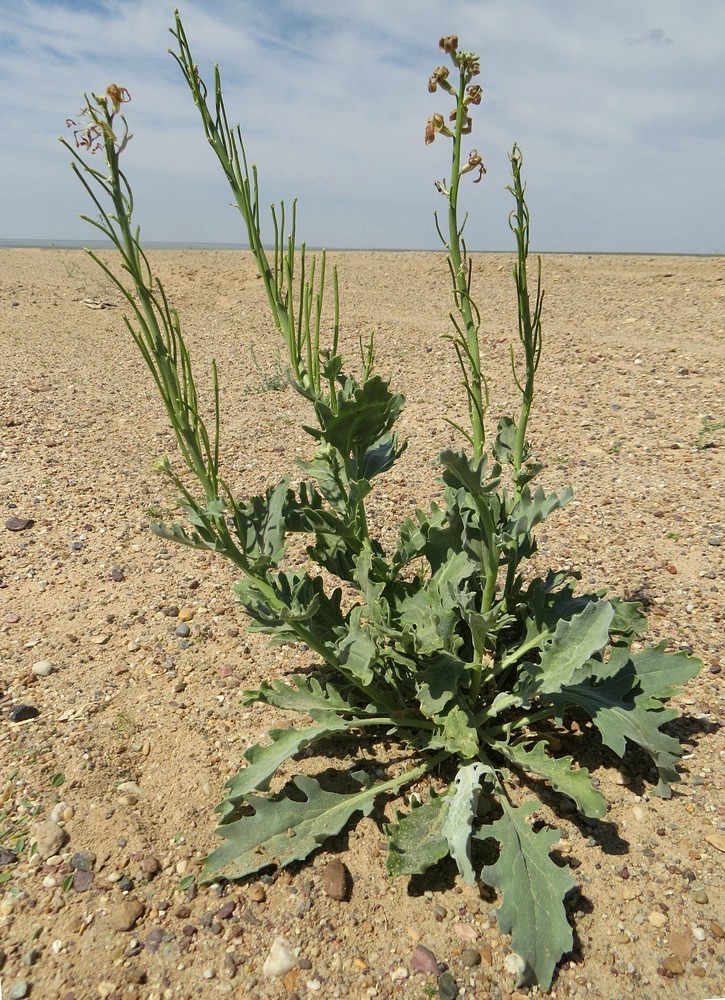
(577, 784)
(533, 888)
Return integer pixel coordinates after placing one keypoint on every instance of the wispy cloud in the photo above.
(613, 115)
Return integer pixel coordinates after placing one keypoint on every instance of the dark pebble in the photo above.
(125, 884)
(83, 861)
(21, 713)
(172, 611)
(185, 644)
(336, 880)
(206, 919)
(194, 585)
(117, 574)
(190, 930)
(7, 857)
(182, 630)
(19, 523)
(82, 881)
(154, 939)
(471, 958)
(447, 988)
(224, 912)
(182, 912)
(76, 546)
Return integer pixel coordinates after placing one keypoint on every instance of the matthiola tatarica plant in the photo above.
(450, 649)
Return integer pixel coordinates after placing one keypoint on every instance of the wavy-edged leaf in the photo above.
(577, 784)
(619, 719)
(441, 675)
(462, 804)
(533, 888)
(282, 829)
(263, 760)
(573, 643)
(302, 694)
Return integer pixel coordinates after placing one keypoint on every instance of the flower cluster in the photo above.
(91, 131)
(470, 94)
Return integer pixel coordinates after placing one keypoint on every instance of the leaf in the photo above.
(619, 720)
(462, 805)
(417, 842)
(577, 784)
(283, 830)
(304, 694)
(357, 652)
(459, 734)
(264, 760)
(533, 888)
(571, 646)
(441, 676)
(660, 674)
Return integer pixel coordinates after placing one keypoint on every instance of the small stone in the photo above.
(7, 857)
(638, 813)
(226, 910)
(182, 630)
(12, 618)
(699, 933)
(515, 965)
(125, 915)
(256, 892)
(336, 880)
(150, 866)
(19, 524)
(466, 932)
(716, 929)
(282, 957)
(399, 974)
(186, 614)
(440, 912)
(23, 713)
(20, 988)
(471, 958)
(716, 840)
(83, 861)
(657, 919)
(117, 574)
(229, 966)
(42, 668)
(447, 987)
(701, 896)
(130, 791)
(673, 965)
(82, 881)
(208, 972)
(423, 960)
(48, 838)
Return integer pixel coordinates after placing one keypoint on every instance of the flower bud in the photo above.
(474, 93)
(449, 43)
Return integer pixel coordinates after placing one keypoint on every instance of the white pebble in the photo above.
(282, 957)
(57, 946)
(638, 813)
(399, 974)
(698, 933)
(657, 919)
(42, 668)
(515, 965)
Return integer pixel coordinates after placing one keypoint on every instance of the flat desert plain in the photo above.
(131, 728)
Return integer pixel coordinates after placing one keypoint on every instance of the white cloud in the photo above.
(333, 101)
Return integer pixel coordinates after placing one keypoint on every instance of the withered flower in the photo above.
(438, 77)
(436, 123)
(449, 43)
(474, 93)
(117, 95)
(475, 161)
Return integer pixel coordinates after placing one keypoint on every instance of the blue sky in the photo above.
(617, 106)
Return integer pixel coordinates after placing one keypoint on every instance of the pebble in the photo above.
(19, 524)
(182, 630)
(399, 974)
(48, 837)
(23, 713)
(83, 861)
(701, 896)
(698, 933)
(226, 910)
(256, 892)
(186, 614)
(336, 880)
(42, 668)
(124, 915)
(716, 840)
(423, 960)
(447, 988)
(19, 989)
(716, 929)
(130, 792)
(673, 965)
(515, 965)
(82, 881)
(471, 958)
(657, 919)
(282, 957)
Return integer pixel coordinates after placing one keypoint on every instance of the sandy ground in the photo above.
(632, 373)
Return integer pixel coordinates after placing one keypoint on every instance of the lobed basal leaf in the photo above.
(533, 888)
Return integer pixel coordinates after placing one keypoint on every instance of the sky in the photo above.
(617, 107)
